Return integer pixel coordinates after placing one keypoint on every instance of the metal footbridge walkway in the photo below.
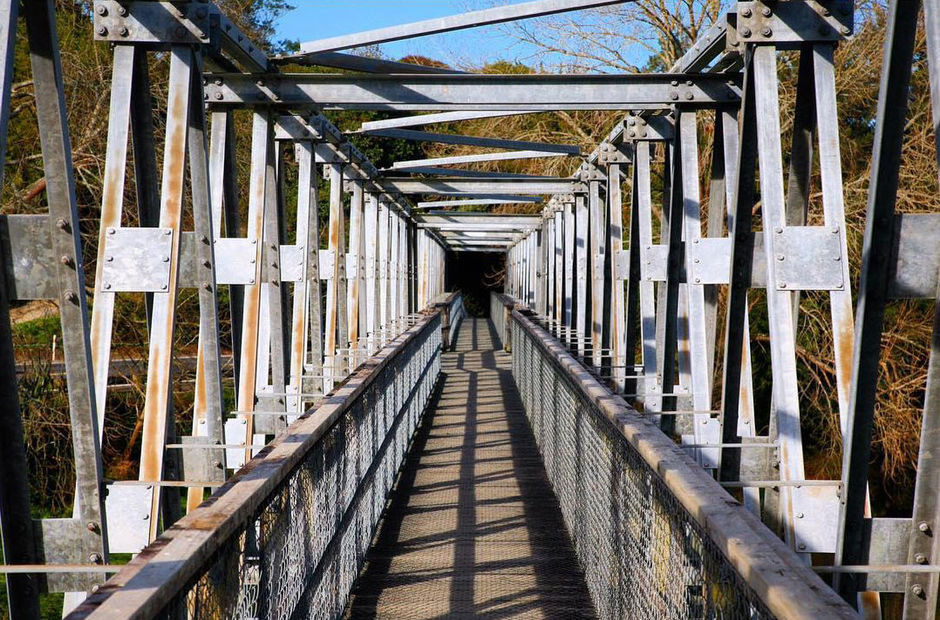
(350, 442)
(473, 527)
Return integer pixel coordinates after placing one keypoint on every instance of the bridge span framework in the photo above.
(326, 338)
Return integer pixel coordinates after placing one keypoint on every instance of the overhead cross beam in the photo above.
(481, 187)
(421, 120)
(478, 202)
(474, 159)
(492, 143)
(352, 62)
(497, 15)
(474, 91)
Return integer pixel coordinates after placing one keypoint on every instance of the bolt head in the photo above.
(102, 9)
(923, 526)
(766, 12)
(766, 31)
(674, 96)
(95, 558)
(92, 526)
(124, 31)
(783, 285)
(917, 590)
(845, 30)
(802, 546)
(800, 515)
(746, 12)
(102, 31)
(920, 558)
(745, 32)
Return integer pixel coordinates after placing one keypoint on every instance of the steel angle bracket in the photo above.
(654, 128)
(808, 258)
(137, 260)
(793, 23)
(160, 23)
(613, 154)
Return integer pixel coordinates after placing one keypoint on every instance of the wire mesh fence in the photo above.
(289, 539)
(643, 554)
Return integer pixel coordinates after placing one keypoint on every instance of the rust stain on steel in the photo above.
(159, 374)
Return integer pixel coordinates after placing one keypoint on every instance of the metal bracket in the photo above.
(816, 518)
(915, 257)
(710, 260)
(155, 22)
(326, 264)
(66, 541)
(790, 22)
(200, 461)
(292, 263)
(655, 259)
(808, 258)
(590, 172)
(26, 248)
(612, 154)
(651, 129)
(137, 260)
(128, 510)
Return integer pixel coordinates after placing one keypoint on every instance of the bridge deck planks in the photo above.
(473, 528)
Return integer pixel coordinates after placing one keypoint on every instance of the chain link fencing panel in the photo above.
(643, 555)
(299, 553)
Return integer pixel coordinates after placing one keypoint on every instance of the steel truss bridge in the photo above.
(601, 352)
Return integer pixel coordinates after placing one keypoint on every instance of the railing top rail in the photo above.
(150, 582)
(787, 586)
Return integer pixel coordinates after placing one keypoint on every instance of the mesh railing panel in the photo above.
(643, 555)
(300, 553)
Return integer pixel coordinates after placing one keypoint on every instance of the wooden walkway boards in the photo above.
(473, 528)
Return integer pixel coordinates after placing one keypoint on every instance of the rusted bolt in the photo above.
(766, 31)
(102, 31)
(745, 32)
(95, 558)
(62, 224)
(920, 558)
(917, 590)
(71, 297)
(766, 12)
(124, 31)
(102, 10)
(746, 12)
(67, 261)
(92, 526)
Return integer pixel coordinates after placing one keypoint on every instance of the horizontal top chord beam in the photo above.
(473, 91)
(474, 159)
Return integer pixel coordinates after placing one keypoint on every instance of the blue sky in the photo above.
(317, 19)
